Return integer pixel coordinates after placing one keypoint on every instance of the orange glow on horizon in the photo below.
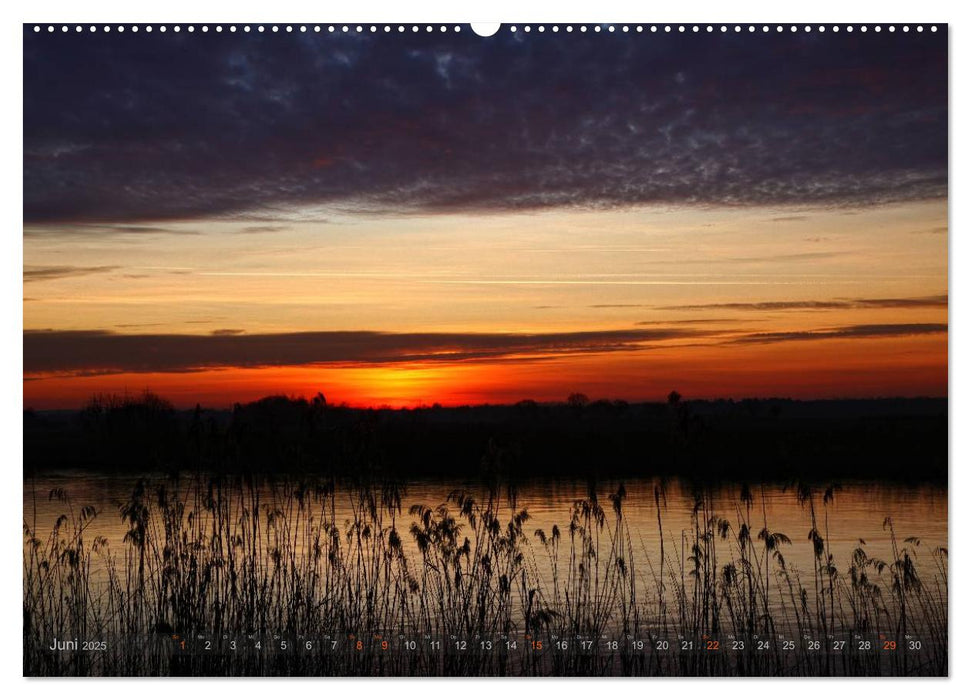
(814, 369)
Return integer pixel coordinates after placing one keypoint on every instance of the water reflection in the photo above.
(857, 513)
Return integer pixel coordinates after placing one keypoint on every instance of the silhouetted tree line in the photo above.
(777, 439)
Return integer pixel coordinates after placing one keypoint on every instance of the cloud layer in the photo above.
(131, 128)
(867, 330)
(104, 352)
(36, 273)
(937, 301)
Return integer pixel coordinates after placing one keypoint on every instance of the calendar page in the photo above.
(523, 350)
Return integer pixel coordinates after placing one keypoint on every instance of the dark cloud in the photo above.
(877, 330)
(72, 352)
(620, 306)
(686, 321)
(228, 331)
(127, 128)
(87, 353)
(119, 228)
(60, 228)
(37, 273)
(935, 301)
(262, 229)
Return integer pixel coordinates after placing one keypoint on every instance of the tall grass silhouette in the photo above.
(244, 555)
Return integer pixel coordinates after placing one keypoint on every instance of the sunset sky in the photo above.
(438, 217)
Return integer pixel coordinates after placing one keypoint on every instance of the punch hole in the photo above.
(485, 29)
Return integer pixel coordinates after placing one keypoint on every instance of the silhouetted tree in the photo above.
(577, 400)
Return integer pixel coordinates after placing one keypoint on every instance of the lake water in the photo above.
(232, 576)
(857, 513)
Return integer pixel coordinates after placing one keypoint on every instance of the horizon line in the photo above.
(422, 405)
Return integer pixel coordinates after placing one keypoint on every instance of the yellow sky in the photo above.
(544, 272)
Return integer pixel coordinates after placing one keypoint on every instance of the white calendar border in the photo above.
(438, 11)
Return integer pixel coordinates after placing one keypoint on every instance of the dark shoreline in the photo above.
(779, 440)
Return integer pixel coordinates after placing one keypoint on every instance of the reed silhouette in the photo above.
(241, 555)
